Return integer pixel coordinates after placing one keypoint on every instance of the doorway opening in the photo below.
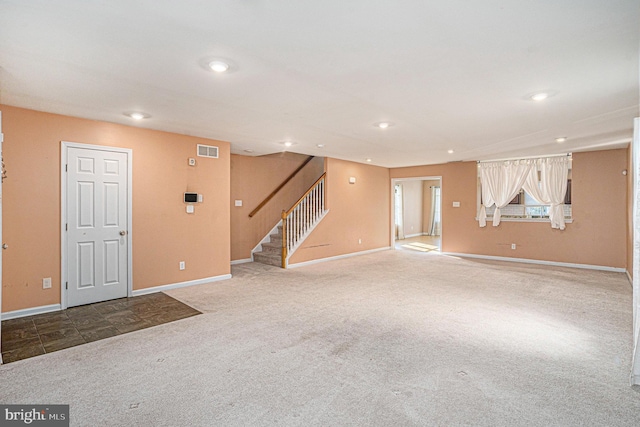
(417, 214)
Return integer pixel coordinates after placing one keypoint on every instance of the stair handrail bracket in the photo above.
(302, 217)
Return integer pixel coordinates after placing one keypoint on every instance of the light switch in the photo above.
(456, 204)
(238, 203)
(199, 198)
(190, 209)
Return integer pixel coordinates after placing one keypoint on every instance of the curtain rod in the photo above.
(524, 158)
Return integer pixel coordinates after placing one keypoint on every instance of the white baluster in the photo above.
(289, 220)
(300, 219)
(306, 216)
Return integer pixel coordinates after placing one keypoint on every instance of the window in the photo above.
(523, 207)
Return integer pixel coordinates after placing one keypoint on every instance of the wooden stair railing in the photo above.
(285, 182)
(302, 216)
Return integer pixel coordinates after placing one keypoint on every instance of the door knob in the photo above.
(5, 246)
(122, 233)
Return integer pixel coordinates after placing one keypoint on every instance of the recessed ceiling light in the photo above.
(383, 125)
(288, 143)
(320, 145)
(450, 151)
(218, 66)
(248, 150)
(137, 115)
(561, 139)
(539, 96)
(368, 160)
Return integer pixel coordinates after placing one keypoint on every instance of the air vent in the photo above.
(207, 151)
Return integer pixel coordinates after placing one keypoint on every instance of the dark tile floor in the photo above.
(34, 335)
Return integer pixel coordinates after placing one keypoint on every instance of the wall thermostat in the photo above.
(191, 197)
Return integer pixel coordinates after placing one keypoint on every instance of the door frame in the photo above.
(395, 181)
(635, 267)
(65, 145)
(1, 242)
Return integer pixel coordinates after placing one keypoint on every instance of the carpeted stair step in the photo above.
(268, 258)
(275, 238)
(273, 247)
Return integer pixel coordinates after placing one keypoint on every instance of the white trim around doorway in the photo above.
(395, 181)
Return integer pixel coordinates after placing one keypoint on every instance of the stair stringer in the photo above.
(265, 239)
(304, 237)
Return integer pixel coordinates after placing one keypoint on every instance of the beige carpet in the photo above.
(395, 338)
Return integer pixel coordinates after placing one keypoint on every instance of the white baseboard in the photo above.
(424, 233)
(170, 286)
(536, 261)
(408, 236)
(316, 261)
(30, 311)
(635, 379)
(241, 261)
(57, 307)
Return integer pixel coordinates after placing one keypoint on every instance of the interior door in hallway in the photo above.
(96, 226)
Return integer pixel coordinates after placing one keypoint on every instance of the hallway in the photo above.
(420, 244)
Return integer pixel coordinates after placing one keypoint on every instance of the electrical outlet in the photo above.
(182, 267)
(46, 283)
(359, 241)
(513, 246)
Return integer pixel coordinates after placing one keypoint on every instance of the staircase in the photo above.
(271, 252)
(297, 223)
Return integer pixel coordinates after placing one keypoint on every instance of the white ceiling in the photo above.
(450, 75)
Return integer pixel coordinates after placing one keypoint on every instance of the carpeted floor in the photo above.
(394, 338)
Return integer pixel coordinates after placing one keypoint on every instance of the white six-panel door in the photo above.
(96, 225)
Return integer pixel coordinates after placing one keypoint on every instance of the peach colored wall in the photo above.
(163, 234)
(253, 179)
(597, 236)
(356, 211)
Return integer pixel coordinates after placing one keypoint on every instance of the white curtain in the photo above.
(501, 182)
(434, 229)
(551, 188)
(399, 212)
